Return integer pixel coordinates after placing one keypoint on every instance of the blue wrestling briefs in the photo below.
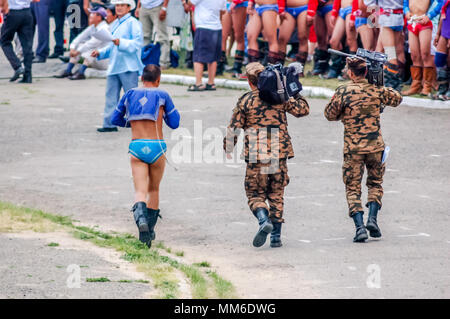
(359, 22)
(323, 11)
(148, 151)
(266, 7)
(344, 12)
(295, 12)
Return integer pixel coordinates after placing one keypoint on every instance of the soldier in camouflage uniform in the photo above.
(267, 146)
(358, 105)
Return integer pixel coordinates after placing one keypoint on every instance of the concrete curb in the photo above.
(308, 91)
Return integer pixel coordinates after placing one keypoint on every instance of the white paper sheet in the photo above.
(103, 35)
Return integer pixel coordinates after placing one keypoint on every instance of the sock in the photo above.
(440, 59)
(82, 69)
(70, 67)
(253, 55)
(273, 57)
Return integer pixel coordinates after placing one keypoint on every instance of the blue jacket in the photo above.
(434, 8)
(126, 57)
(144, 104)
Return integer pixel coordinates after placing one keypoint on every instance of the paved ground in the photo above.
(52, 158)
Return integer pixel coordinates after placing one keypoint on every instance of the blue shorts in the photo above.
(323, 11)
(266, 7)
(240, 5)
(359, 22)
(148, 151)
(397, 28)
(344, 12)
(295, 12)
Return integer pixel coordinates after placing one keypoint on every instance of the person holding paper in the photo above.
(359, 105)
(124, 54)
(95, 37)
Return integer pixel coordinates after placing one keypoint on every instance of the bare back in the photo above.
(147, 129)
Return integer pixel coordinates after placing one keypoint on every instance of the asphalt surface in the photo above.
(52, 158)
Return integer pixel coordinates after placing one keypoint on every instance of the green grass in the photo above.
(203, 264)
(161, 269)
(224, 288)
(100, 279)
(53, 245)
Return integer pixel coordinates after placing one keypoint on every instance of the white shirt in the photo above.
(150, 4)
(86, 41)
(19, 4)
(207, 13)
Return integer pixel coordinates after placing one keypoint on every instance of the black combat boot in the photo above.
(265, 226)
(221, 64)
(361, 233)
(321, 60)
(392, 76)
(372, 225)
(141, 218)
(153, 215)
(275, 236)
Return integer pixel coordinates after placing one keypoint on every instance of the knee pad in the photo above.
(391, 53)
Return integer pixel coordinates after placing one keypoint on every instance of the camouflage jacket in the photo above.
(266, 134)
(358, 105)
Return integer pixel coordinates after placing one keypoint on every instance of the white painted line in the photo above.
(198, 198)
(318, 204)
(17, 177)
(306, 241)
(404, 228)
(425, 196)
(113, 192)
(233, 166)
(328, 161)
(435, 155)
(352, 268)
(190, 211)
(416, 235)
(54, 109)
(26, 154)
(240, 223)
(392, 192)
(62, 184)
(334, 239)
(391, 170)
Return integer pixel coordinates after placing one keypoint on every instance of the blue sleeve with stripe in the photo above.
(171, 114)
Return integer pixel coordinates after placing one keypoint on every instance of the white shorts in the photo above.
(392, 20)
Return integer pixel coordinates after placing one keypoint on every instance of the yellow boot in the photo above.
(416, 85)
(429, 76)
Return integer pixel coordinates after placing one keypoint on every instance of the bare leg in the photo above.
(338, 33)
(286, 30)
(414, 46)
(212, 67)
(269, 20)
(351, 35)
(367, 37)
(239, 17)
(253, 30)
(226, 30)
(140, 173)
(425, 48)
(303, 32)
(198, 69)
(156, 172)
(320, 27)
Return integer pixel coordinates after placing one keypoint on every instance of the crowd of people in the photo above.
(412, 33)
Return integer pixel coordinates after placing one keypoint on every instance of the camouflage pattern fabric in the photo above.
(359, 105)
(266, 135)
(353, 171)
(266, 182)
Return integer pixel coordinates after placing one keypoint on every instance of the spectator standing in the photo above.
(41, 16)
(124, 56)
(18, 19)
(207, 40)
(58, 7)
(152, 14)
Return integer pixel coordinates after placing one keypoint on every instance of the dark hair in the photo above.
(111, 8)
(253, 79)
(151, 73)
(357, 66)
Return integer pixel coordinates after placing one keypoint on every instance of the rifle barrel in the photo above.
(340, 53)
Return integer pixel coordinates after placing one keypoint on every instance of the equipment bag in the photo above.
(277, 84)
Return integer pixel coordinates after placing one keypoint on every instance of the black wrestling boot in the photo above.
(153, 215)
(265, 226)
(337, 64)
(372, 225)
(361, 233)
(392, 76)
(275, 236)
(321, 59)
(141, 218)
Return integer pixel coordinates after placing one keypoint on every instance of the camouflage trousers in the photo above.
(353, 171)
(266, 182)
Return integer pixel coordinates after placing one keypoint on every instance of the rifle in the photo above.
(375, 63)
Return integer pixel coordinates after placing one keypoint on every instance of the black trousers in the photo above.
(20, 22)
(59, 7)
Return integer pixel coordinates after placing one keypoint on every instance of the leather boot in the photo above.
(429, 76)
(372, 225)
(361, 233)
(275, 236)
(416, 85)
(442, 80)
(321, 59)
(265, 226)
(153, 215)
(27, 78)
(392, 76)
(141, 218)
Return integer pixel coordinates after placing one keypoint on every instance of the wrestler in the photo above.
(263, 17)
(341, 13)
(419, 14)
(319, 15)
(295, 17)
(144, 110)
(238, 12)
(359, 19)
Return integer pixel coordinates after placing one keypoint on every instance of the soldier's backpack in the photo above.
(276, 84)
